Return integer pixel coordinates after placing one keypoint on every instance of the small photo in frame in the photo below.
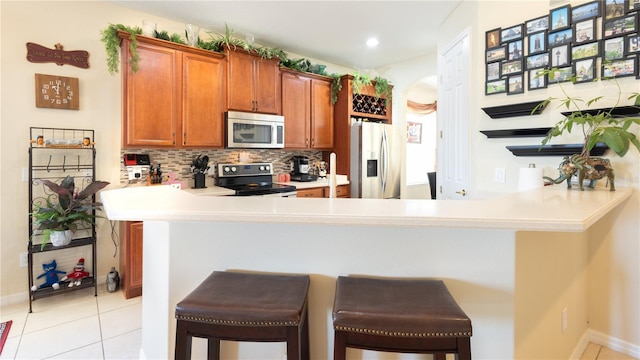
(633, 44)
(633, 5)
(516, 84)
(512, 33)
(515, 50)
(560, 74)
(620, 26)
(585, 11)
(537, 42)
(493, 71)
(584, 70)
(497, 54)
(493, 38)
(585, 51)
(414, 132)
(613, 48)
(584, 31)
(537, 24)
(614, 9)
(561, 37)
(560, 56)
(511, 67)
(496, 87)
(538, 61)
(619, 68)
(537, 79)
(560, 18)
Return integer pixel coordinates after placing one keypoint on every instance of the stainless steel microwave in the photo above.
(253, 131)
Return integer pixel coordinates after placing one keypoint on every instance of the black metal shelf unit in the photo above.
(55, 153)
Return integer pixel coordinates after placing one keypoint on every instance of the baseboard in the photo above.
(14, 299)
(580, 347)
(612, 343)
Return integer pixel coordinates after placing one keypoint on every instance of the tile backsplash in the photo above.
(178, 161)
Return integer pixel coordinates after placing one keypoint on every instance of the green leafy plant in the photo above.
(336, 86)
(597, 126)
(112, 45)
(359, 82)
(70, 208)
(383, 89)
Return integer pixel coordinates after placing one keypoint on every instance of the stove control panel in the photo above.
(253, 169)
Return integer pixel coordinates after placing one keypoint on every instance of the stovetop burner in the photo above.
(251, 179)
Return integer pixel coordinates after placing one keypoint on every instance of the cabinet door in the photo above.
(202, 101)
(310, 193)
(267, 86)
(150, 97)
(240, 82)
(295, 109)
(321, 115)
(131, 258)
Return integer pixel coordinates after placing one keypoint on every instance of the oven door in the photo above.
(257, 132)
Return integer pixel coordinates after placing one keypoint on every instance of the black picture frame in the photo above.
(584, 31)
(511, 67)
(511, 33)
(613, 48)
(560, 18)
(561, 74)
(589, 10)
(537, 42)
(583, 51)
(492, 39)
(620, 68)
(515, 84)
(584, 70)
(537, 61)
(496, 54)
(560, 37)
(493, 71)
(536, 25)
(560, 56)
(614, 9)
(537, 80)
(633, 5)
(620, 26)
(495, 87)
(632, 44)
(515, 50)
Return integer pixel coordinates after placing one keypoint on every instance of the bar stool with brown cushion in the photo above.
(399, 315)
(245, 307)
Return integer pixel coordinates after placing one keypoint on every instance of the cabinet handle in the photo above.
(184, 139)
(173, 135)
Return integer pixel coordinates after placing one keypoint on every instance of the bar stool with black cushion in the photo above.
(399, 315)
(245, 307)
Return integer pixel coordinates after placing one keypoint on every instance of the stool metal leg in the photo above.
(183, 341)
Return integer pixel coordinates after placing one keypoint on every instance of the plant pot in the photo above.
(61, 238)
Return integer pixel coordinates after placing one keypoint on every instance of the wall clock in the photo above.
(57, 92)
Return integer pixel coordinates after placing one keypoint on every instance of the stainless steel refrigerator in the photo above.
(375, 161)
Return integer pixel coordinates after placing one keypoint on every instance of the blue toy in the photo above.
(51, 276)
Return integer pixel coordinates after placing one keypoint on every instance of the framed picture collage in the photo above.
(597, 39)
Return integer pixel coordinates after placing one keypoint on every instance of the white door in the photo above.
(453, 137)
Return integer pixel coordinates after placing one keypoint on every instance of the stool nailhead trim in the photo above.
(402, 334)
(238, 323)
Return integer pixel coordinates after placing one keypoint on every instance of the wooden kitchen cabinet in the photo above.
(307, 111)
(253, 83)
(342, 191)
(131, 258)
(175, 99)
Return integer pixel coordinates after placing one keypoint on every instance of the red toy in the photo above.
(75, 277)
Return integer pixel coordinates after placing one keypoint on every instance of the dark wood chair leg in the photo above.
(183, 342)
(306, 355)
(439, 356)
(213, 349)
(464, 348)
(293, 343)
(340, 345)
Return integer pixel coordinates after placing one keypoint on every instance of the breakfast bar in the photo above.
(512, 262)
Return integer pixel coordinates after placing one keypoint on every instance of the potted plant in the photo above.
(71, 208)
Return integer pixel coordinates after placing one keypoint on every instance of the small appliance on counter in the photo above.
(300, 169)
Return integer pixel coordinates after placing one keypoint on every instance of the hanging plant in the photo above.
(112, 46)
(336, 87)
(383, 89)
(360, 81)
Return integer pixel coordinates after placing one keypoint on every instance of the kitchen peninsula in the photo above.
(512, 262)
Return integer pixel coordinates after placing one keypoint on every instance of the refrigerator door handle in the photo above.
(384, 161)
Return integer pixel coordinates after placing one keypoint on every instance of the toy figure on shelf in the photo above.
(75, 277)
(51, 276)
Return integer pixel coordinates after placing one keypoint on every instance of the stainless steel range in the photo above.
(253, 179)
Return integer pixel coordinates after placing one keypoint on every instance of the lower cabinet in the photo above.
(320, 192)
(131, 258)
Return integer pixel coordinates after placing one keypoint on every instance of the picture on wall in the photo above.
(634, 5)
(633, 44)
(537, 42)
(613, 9)
(537, 61)
(493, 38)
(585, 51)
(619, 68)
(561, 74)
(560, 18)
(512, 33)
(585, 11)
(584, 70)
(511, 67)
(414, 132)
(613, 48)
(619, 26)
(560, 56)
(515, 85)
(493, 71)
(515, 50)
(497, 54)
(584, 31)
(537, 79)
(496, 87)
(537, 24)
(561, 37)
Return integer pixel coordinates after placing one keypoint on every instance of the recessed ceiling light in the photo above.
(372, 42)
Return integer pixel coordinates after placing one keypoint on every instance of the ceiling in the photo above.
(331, 31)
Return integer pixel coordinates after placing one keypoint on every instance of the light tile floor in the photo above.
(79, 325)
